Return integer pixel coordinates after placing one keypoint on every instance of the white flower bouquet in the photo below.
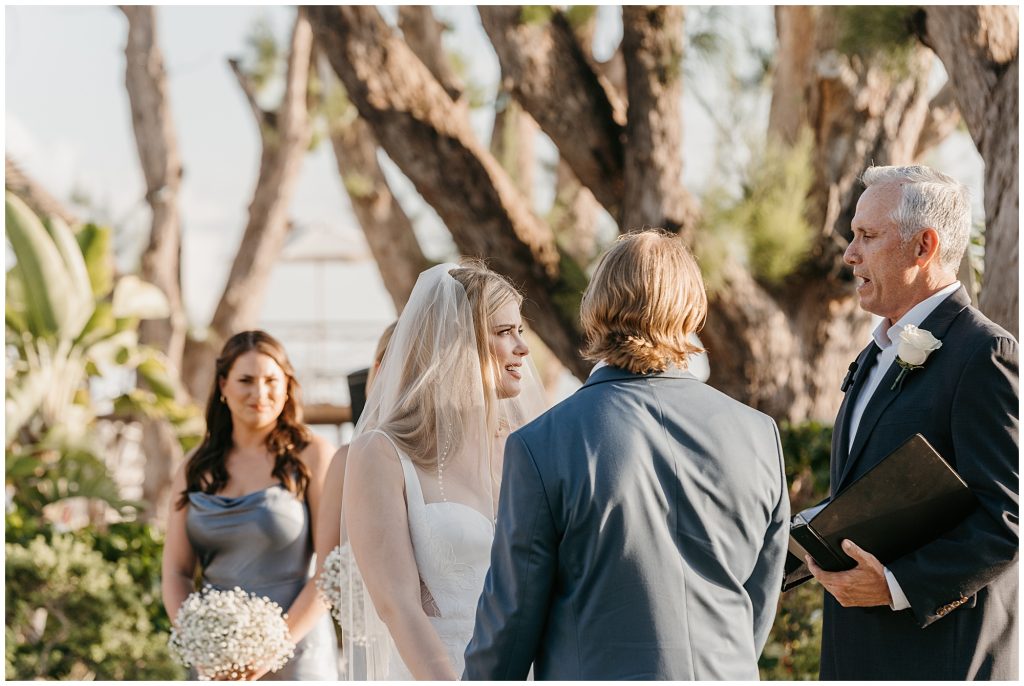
(341, 587)
(230, 634)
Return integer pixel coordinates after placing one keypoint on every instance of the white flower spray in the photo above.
(341, 587)
(230, 634)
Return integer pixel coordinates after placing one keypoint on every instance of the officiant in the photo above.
(935, 366)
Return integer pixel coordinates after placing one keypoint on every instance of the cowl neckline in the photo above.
(234, 501)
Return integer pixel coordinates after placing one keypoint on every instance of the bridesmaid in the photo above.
(248, 498)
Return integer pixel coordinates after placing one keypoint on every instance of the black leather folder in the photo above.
(906, 500)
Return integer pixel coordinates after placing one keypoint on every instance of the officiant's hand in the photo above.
(862, 586)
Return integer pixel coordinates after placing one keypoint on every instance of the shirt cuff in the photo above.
(899, 598)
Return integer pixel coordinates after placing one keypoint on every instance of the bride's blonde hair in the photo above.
(414, 421)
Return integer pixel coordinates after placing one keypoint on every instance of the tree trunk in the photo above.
(553, 80)
(575, 213)
(942, 120)
(792, 75)
(652, 45)
(412, 117)
(784, 349)
(513, 138)
(285, 136)
(155, 140)
(978, 45)
(422, 33)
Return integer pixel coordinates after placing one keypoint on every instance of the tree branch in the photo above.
(34, 195)
(267, 227)
(423, 32)
(652, 45)
(413, 119)
(263, 118)
(553, 80)
(146, 82)
(942, 120)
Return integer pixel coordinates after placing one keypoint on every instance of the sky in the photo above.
(68, 124)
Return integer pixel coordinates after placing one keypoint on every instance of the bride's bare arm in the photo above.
(378, 528)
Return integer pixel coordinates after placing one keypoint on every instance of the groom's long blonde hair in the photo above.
(646, 298)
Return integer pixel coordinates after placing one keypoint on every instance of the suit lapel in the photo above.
(841, 433)
(938, 322)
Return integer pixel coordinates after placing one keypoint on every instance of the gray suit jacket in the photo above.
(962, 587)
(642, 529)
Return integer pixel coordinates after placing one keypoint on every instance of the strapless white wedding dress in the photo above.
(452, 545)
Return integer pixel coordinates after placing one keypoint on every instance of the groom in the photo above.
(642, 522)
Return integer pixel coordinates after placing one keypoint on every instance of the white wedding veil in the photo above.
(437, 398)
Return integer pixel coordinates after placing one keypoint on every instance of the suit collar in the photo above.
(610, 373)
(938, 323)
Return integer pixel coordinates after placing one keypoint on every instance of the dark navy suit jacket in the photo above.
(641, 534)
(962, 587)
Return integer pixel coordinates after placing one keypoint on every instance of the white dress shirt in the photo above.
(884, 338)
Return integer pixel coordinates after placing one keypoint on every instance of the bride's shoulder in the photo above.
(374, 455)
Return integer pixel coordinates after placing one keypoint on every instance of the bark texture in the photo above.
(513, 140)
(423, 34)
(553, 80)
(652, 45)
(979, 45)
(412, 117)
(146, 82)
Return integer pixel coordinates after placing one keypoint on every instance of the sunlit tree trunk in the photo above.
(979, 46)
(155, 139)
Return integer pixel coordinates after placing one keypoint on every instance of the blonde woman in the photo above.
(424, 467)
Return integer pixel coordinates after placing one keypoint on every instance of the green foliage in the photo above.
(883, 34)
(99, 258)
(567, 299)
(793, 651)
(794, 646)
(58, 343)
(580, 15)
(807, 448)
(84, 605)
(536, 14)
(768, 216)
(263, 56)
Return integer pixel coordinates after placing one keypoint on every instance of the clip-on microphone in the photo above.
(850, 377)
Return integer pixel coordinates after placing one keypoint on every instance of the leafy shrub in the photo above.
(764, 227)
(84, 605)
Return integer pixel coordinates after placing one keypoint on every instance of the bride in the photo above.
(424, 467)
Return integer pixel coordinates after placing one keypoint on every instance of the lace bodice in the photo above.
(452, 545)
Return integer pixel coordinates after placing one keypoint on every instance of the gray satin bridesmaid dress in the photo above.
(261, 542)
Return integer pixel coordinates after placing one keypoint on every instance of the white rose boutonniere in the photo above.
(914, 348)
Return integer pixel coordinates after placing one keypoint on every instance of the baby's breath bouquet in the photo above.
(342, 587)
(230, 634)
